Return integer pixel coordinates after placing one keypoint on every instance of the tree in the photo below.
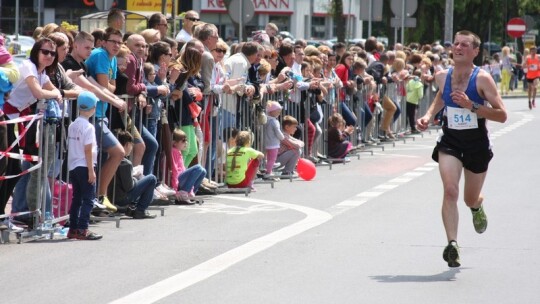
(336, 10)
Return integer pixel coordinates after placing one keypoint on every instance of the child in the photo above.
(185, 181)
(136, 194)
(338, 145)
(82, 157)
(290, 147)
(154, 103)
(415, 92)
(242, 162)
(272, 136)
(226, 142)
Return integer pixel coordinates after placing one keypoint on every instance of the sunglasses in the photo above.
(47, 52)
(193, 19)
(220, 51)
(183, 140)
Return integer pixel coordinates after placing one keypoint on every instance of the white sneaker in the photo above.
(99, 205)
(166, 192)
(12, 227)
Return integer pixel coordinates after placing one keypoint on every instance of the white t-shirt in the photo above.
(183, 36)
(80, 133)
(21, 97)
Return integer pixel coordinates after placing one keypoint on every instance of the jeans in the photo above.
(83, 199)
(350, 120)
(142, 192)
(151, 125)
(19, 194)
(191, 178)
(150, 152)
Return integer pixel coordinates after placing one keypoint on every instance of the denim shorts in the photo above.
(105, 138)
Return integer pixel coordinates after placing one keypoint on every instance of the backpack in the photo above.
(376, 69)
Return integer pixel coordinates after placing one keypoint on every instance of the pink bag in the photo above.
(62, 197)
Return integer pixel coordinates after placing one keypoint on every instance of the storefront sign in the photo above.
(261, 6)
(147, 5)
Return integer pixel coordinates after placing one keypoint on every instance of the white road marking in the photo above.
(221, 262)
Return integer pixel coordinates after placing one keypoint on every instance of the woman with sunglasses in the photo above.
(33, 84)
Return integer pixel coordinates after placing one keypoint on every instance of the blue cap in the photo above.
(87, 100)
(447, 44)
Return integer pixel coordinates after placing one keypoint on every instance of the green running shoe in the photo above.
(451, 254)
(479, 220)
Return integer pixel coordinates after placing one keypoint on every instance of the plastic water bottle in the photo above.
(47, 223)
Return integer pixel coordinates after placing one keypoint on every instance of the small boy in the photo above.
(136, 194)
(82, 157)
(290, 147)
(415, 92)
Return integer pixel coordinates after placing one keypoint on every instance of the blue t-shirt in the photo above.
(100, 63)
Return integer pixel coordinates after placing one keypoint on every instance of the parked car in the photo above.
(348, 41)
(19, 45)
(491, 48)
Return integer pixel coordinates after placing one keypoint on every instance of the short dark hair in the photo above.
(250, 48)
(98, 34)
(110, 32)
(124, 137)
(114, 14)
(154, 20)
(285, 49)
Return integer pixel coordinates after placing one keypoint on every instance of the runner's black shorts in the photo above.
(471, 147)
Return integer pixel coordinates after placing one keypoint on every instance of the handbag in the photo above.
(62, 198)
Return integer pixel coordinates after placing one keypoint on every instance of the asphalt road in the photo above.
(366, 232)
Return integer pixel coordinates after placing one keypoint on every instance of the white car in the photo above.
(19, 45)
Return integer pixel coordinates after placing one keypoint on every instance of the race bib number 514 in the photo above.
(461, 119)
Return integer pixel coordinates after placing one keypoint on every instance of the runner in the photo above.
(532, 66)
(469, 98)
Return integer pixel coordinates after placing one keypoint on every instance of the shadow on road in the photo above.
(449, 275)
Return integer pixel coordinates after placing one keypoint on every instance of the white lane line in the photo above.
(386, 187)
(369, 194)
(221, 262)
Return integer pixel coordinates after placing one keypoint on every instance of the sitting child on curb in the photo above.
(242, 162)
(338, 134)
(136, 194)
(290, 147)
(185, 181)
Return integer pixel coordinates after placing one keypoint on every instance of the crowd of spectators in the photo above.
(187, 109)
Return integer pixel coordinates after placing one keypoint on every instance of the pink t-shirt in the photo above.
(177, 167)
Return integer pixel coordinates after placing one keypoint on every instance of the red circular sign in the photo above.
(516, 27)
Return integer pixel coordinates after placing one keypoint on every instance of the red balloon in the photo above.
(306, 169)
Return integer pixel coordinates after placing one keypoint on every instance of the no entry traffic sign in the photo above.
(516, 27)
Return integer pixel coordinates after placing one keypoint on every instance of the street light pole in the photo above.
(449, 20)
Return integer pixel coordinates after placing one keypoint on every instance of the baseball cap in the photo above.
(87, 100)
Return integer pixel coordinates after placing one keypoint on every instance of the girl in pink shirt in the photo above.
(185, 181)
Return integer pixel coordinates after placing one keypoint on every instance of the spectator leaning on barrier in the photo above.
(146, 146)
(102, 66)
(34, 84)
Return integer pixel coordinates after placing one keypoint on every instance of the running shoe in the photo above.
(451, 254)
(479, 220)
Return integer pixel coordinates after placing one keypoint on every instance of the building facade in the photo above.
(290, 15)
